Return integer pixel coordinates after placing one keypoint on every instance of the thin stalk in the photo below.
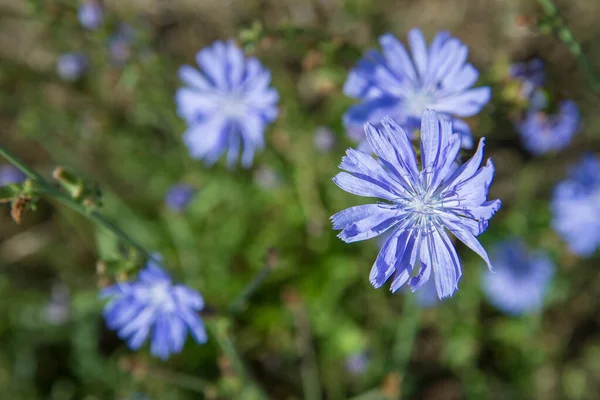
(219, 329)
(566, 36)
(309, 372)
(238, 303)
(408, 326)
(49, 189)
(184, 381)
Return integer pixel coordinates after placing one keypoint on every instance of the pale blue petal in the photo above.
(418, 49)
(464, 104)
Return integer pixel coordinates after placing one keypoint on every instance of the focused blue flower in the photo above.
(531, 74)
(227, 105)
(420, 204)
(154, 303)
(179, 196)
(542, 133)
(392, 83)
(520, 279)
(70, 66)
(90, 14)
(576, 207)
(10, 174)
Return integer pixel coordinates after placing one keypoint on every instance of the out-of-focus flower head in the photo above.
(56, 312)
(10, 174)
(153, 305)
(357, 363)
(266, 177)
(530, 74)
(421, 205)
(120, 44)
(427, 296)
(227, 104)
(394, 83)
(520, 279)
(576, 207)
(542, 132)
(90, 14)
(179, 196)
(324, 139)
(70, 66)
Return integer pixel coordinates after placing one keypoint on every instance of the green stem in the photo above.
(52, 191)
(219, 328)
(238, 303)
(185, 381)
(408, 326)
(566, 36)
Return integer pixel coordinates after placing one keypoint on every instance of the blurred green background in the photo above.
(316, 316)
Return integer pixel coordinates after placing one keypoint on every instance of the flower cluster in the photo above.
(392, 83)
(576, 207)
(420, 205)
(541, 131)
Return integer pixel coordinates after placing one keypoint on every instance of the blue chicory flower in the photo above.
(542, 133)
(576, 207)
(420, 205)
(70, 66)
(520, 278)
(403, 87)
(227, 105)
(531, 74)
(357, 363)
(90, 14)
(120, 44)
(179, 196)
(427, 296)
(10, 174)
(154, 303)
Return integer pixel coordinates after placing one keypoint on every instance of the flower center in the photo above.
(420, 206)
(418, 102)
(160, 295)
(232, 106)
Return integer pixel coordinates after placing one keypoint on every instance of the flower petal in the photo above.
(397, 57)
(465, 104)
(418, 47)
(372, 225)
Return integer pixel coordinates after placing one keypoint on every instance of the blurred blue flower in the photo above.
(421, 205)
(542, 133)
(153, 302)
(91, 14)
(10, 174)
(227, 105)
(357, 363)
(266, 177)
(120, 44)
(427, 296)
(179, 196)
(324, 139)
(520, 279)
(392, 83)
(70, 66)
(576, 207)
(530, 73)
